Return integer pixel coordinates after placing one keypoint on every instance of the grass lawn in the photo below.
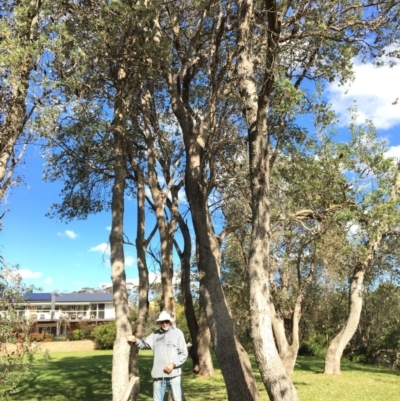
(86, 376)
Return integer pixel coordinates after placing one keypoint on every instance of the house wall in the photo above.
(109, 311)
(54, 346)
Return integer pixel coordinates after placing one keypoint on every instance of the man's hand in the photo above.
(169, 368)
(131, 339)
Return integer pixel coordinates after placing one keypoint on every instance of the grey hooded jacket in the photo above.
(168, 347)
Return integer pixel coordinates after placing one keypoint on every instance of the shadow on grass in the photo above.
(87, 377)
(352, 366)
(83, 378)
(316, 365)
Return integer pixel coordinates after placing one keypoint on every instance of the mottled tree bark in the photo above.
(15, 114)
(232, 358)
(338, 344)
(256, 102)
(121, 350)
(199, 331)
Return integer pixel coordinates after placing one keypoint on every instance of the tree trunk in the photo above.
(15, 115)
(143, 290)
(206, 367)
(199, 331)
(287, 352)
(166, 228)
(232, 358)
(338, 344)
(274, 376)
(121, 350)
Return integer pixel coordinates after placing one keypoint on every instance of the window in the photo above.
(101, 308)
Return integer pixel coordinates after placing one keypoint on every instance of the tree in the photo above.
(16, 350)
(270, 36)
(378, 219)
(24, 32)
(141, 154)
(98, 82)
(203, 117)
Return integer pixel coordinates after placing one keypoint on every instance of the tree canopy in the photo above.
(192, 108)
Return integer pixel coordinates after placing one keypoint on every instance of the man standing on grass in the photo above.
(170, 352)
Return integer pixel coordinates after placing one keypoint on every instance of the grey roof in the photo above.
(102, 297)
(78, 297)
(38, 296)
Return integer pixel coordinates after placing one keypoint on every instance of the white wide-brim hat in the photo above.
(164, 315)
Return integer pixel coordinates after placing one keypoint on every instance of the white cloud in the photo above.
(26, 273)
(108, 228)
(129, 261)
(103, 248)
(394, 152)
(68, 233)
(48, 280)
(375, 92)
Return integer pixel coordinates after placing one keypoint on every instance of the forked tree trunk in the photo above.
(288, 352)
(206, 367)
(232, 358)
(339, 343)
(166, 229)
(274, 376)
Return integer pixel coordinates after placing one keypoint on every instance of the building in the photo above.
(58, 313)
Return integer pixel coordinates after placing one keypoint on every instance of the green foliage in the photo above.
(16, 351)
(314, 346)
(84, 331)
(81, 334)
(181, 321)
(378, 338)
(104, 336)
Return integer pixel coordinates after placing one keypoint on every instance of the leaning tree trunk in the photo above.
(274, 376)
(232, 358)
(16, 116)
(121, 350)
(199, 331)
(338, 344)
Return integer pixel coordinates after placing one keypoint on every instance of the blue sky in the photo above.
(61, 256)
(52, 254)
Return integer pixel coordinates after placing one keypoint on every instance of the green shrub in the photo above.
(314, 347)
(81, 334)
(104, 336)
